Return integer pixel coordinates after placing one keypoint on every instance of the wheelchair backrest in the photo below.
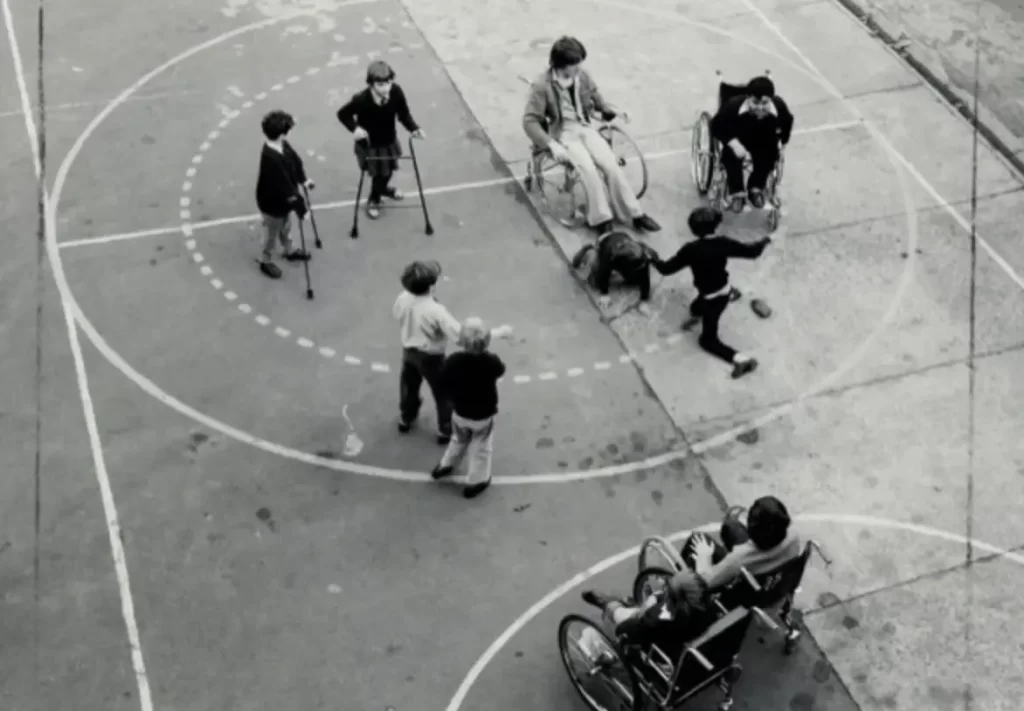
(717, 648)
(775, 585)
(728, 91)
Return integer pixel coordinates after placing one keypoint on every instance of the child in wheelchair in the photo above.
(751, 125)
(766, 542)
(668, 619)
(616, 252)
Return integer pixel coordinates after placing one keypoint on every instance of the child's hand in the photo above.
(309, 185)
(418, 133)
(643, 309)
(604, 301)
(360, 134)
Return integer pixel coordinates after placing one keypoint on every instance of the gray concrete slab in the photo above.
(951, 632)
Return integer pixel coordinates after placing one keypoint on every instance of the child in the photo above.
(470, 379)
(370, 116)
(426, 328)
(617, 252)
(277, 191)
(707, 257)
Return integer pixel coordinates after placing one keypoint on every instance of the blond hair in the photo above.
(475, 337)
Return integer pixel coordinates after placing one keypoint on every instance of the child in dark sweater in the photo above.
(371, 117)
(278, 191)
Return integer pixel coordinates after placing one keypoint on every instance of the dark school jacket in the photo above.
(734, 121)
(708, 258)
(277, 187)
(542, 117)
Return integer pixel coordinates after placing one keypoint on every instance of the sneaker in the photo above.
(603, 228)
(297, 255)
(474, 490)
(271, 270)
(440, 472)
(394, 194)
(646, 223)
(741, 368)
(373, 210)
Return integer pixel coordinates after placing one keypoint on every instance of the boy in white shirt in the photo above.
(426, 328)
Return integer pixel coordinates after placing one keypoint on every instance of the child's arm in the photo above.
(347, 115)
(603, 273)
(744, 250)
(402, 110)
(786, 120)
(300, 168)
(499, 366)
(676, 263)
(645, 284)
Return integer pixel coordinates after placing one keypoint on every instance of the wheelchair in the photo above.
(619, 676)
(708, 172)
(770, 591)
(563, 193)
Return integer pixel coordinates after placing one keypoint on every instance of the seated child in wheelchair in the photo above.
(751, 125)
(764, 543)
(669, 619)
(616, 252)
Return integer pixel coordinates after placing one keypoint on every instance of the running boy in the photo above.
(426, 329)
(371, 117)
(277, 191)
(707, 257)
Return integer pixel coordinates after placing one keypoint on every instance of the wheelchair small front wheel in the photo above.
(562, 193)
(596, 668)
(650, 581)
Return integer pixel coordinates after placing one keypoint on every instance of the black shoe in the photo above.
(737, 202)
(444, 438)
(603, 228)
(297, 255)
(690, 323)
(646, 223)
(594, 598)
(473, 491)
(735, 294)
(440, 472)
(743, 367)
(404, 426)
(271, 270)
(757, 199)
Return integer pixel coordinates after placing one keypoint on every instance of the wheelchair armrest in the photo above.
(764, 618)
(695, 653)
(816, 547)
(751, 580)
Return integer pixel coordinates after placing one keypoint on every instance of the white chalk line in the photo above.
(568, 586)
(341, 204)
(72, 105)
(112, 520)
(352, 467)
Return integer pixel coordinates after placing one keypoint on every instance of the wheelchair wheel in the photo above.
(666, 555)
(649, 581)
(561, 191)
(702, 154)
(596, 669)
(631, 160)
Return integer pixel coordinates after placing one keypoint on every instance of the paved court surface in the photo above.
(274, 542)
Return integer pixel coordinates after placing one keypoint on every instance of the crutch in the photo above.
(305, 262)
(312, 218)
(419, 185)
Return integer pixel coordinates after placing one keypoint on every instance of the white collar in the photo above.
(276, 145)
(745, 107)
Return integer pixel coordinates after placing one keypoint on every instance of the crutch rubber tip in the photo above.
(354, 234)
(309, 294)
(430, 229)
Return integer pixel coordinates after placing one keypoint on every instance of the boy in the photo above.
(277, 191)
(617, 252)
(707, 257)
(470, 379)
(426, 328)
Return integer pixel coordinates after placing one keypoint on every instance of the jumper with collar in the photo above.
(542, 118)
(619, 252)
(735, 120)
(281, 174)
(708, 259)
(364, 110)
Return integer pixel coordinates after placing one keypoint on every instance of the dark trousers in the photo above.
(710, 311)
(763, 158)
(379, 187)
(418, 366)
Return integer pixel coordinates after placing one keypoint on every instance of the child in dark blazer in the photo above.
(371, 116)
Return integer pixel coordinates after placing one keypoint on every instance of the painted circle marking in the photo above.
(568, 586)
(352, 467)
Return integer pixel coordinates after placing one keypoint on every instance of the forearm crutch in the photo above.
(312, 218)
(419, 185)
(354, 232)
(305, 262)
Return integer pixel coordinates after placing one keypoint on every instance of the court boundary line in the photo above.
(341, 204)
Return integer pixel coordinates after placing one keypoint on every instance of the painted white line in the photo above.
(328, 352)
(341, 204)
(880, 137)
(50, 108)
(352, 360)
(110, 514)
(568, 586)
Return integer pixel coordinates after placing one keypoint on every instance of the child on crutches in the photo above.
(277, 191)
(371, 116)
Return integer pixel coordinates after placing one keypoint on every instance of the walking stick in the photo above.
(305, 262)
(354, 233)
(312, 218)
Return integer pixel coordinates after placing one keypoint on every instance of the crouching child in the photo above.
(617, 252)
(470, 378)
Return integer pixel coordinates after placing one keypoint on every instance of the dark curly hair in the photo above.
(567, 52)
(276, 124)
(418, 277)
(767, 523)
